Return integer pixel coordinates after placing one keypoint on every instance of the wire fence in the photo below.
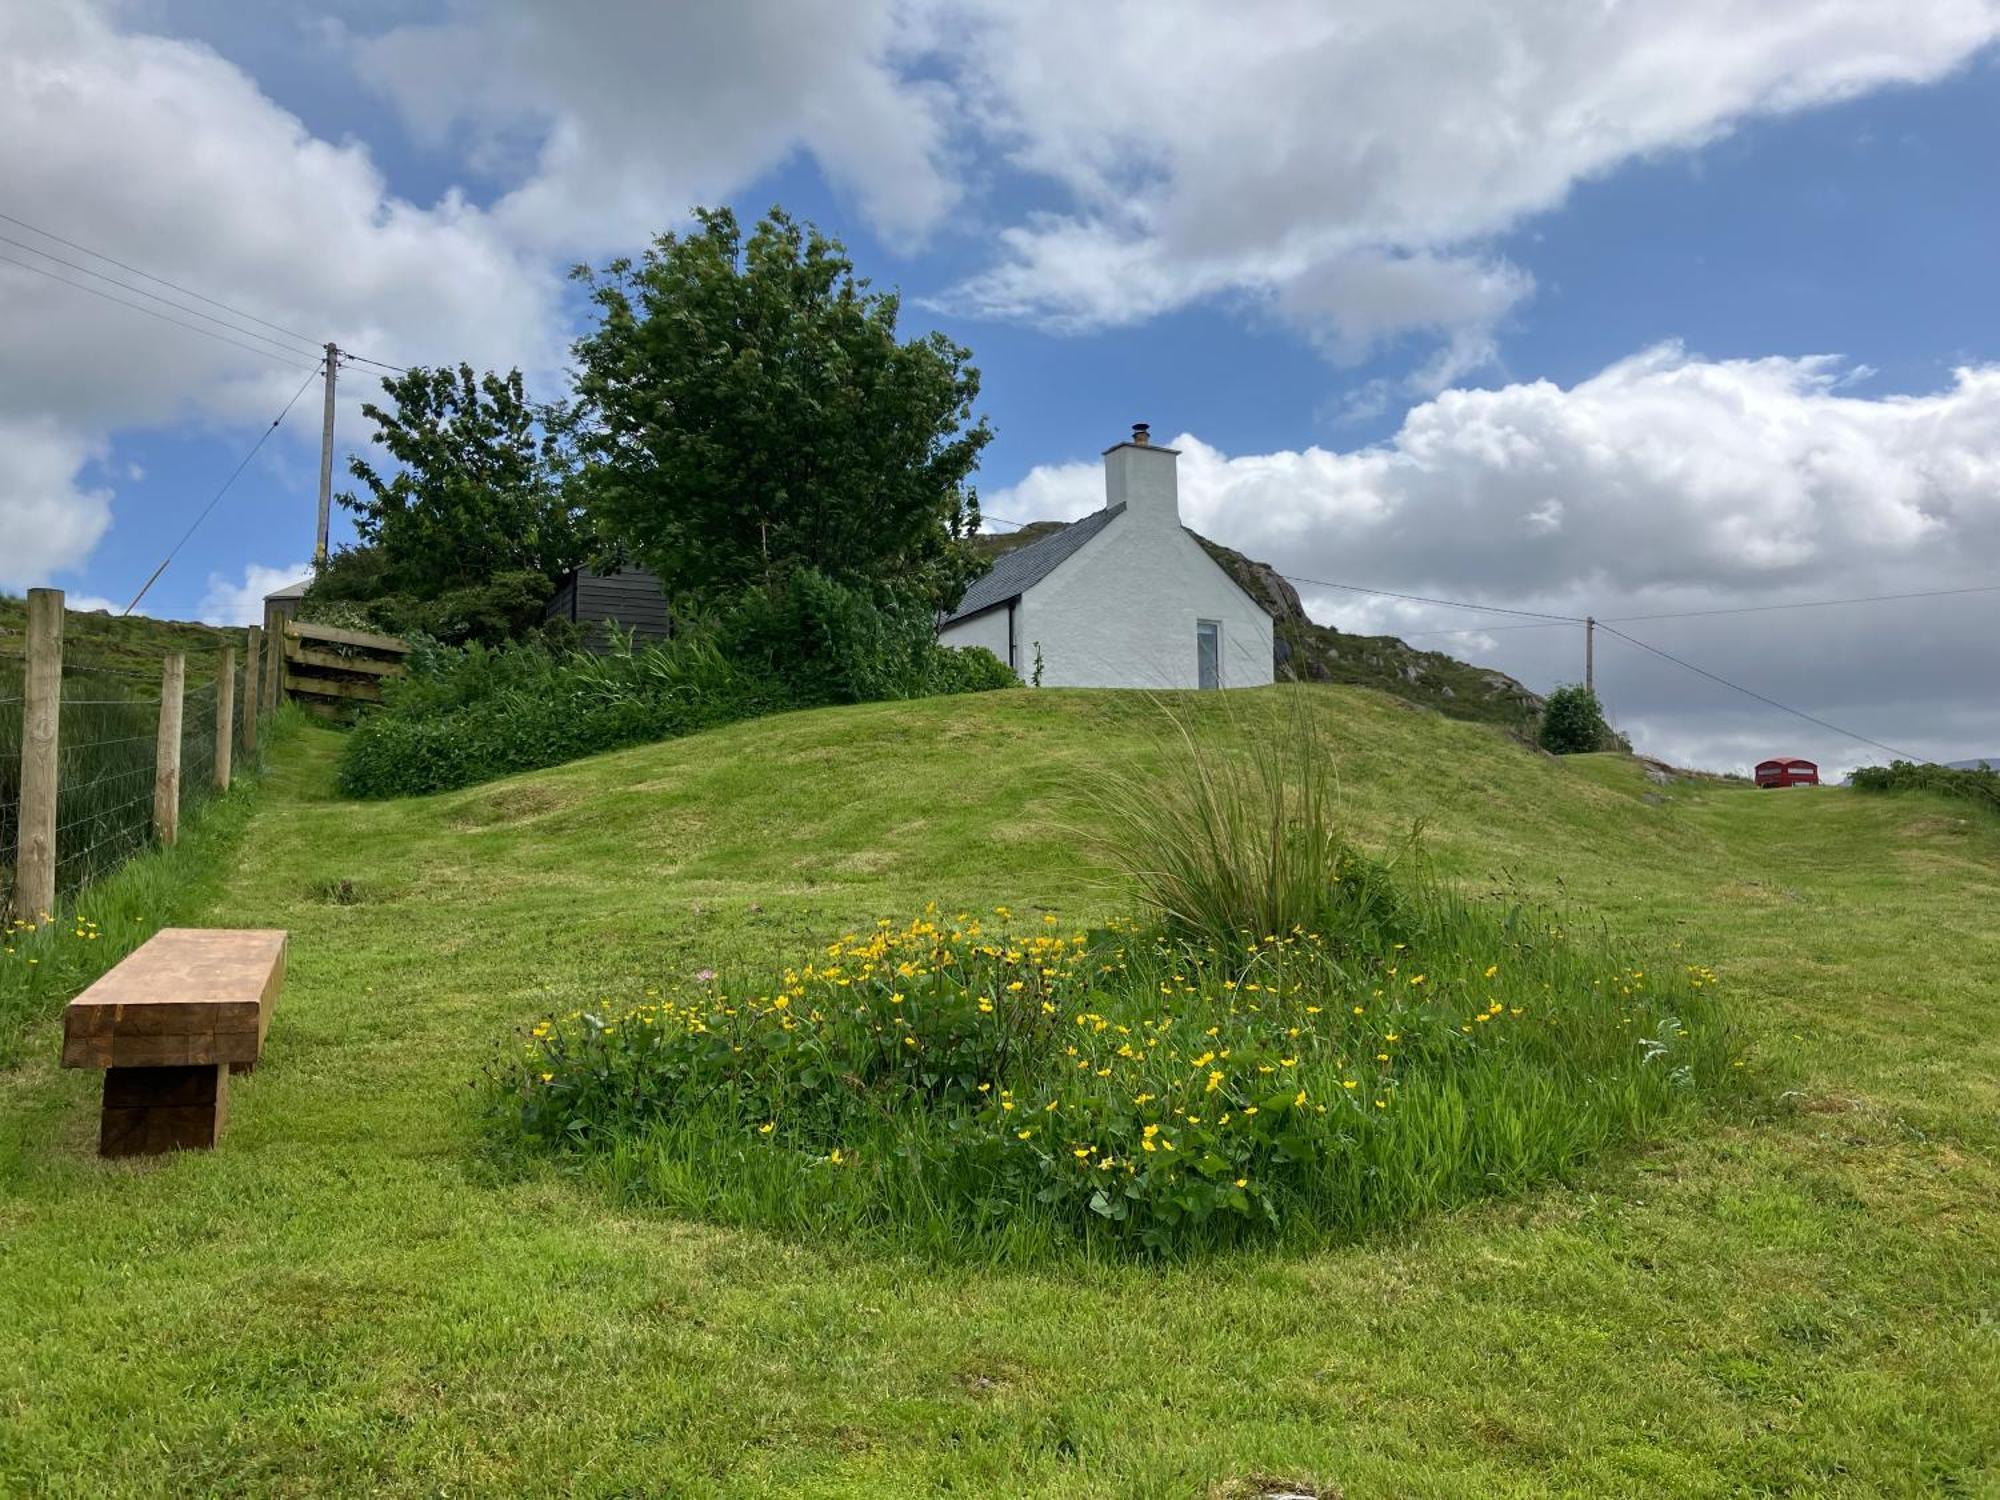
(106, 766)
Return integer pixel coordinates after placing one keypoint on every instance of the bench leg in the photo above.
(151, 1110)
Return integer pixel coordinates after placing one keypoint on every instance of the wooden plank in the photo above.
(148, 1111)
(306, 630)
(333, 687)
(186, 996)
(373, 666)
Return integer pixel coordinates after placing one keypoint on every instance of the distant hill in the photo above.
(1312, 652)
(1984, 762)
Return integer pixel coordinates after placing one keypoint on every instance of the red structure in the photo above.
(1787, 771)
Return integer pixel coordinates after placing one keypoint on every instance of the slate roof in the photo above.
(1020, 570)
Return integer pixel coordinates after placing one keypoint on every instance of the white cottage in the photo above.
(1126, 597)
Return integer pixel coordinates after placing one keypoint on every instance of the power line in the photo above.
(189, 291)
(193, 312)
(1755, 609)
(1493, 629)
(216, 499)
(362, 359)
(1752, 693)
(1490, 609)
(152, 312)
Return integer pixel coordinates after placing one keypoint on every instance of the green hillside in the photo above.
(354, 1296)
(98, 639)
(1313, 652)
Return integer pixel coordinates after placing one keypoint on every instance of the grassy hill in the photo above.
(100, 640)
(1319, 653)
(350, 1296)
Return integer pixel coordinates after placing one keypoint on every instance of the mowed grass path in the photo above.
(346, 1299)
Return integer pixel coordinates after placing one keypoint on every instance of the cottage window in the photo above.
(1208, 653)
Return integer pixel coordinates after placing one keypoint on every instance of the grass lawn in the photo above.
(349, 1297)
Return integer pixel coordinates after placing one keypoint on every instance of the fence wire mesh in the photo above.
(106, 741)
(107, 758)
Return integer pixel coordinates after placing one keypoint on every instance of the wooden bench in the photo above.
(168, 1025)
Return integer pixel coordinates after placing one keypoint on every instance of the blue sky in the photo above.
(1405, 362)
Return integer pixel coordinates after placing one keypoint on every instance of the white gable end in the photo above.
(1138, 605)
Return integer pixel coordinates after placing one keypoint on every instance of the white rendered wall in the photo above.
(1122, 611)
(988, 630)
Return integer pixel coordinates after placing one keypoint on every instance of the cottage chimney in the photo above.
(1141, 477)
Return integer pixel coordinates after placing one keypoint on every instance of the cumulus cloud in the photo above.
(1342, 161)
(48, 520)
(621, 115)
(241, 601)
(121, 139)
(1664, 483)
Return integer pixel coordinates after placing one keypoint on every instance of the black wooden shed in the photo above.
(629, 597)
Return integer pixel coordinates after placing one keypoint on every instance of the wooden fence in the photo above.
(104, 764)
(333, 671)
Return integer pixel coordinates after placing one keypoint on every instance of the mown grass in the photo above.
(348, 1297)
(47, 958)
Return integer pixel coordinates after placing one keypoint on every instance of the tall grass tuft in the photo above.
(1241, 833)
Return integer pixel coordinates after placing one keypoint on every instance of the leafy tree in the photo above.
(1573, 721)
(752, 412)
(480, 488)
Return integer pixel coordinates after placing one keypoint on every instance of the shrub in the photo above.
(833, 642)
(1977, 784)
(465, 715)
(1303, 1042)
(481, 712)
(1573, 722)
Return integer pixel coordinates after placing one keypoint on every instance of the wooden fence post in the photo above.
(41, 726)
(225, 716)
(167, 758)
(253, 689)
(274, 676)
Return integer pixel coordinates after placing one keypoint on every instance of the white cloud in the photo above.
(48, 521)
(1663, 483)
(624, 115)
(1346, 162)
(242, 602)
(160, 149)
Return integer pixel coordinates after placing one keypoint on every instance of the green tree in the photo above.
(479, 490)
(1573, 721)
(752, 412)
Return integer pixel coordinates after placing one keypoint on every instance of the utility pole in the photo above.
(1590, 654)
(326, 457)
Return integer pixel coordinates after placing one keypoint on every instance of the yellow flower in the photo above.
(1491, 970)
(835, 1157)
(767, 1127)
(1243, 1182)
(1301, 1099)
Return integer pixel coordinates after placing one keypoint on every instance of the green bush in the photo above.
(1977, 784)
(837, 643)
(1573, 722)
(465, 715)
(351, 590)
(1305, 1043)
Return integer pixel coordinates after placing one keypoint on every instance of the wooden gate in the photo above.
(333, 671)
